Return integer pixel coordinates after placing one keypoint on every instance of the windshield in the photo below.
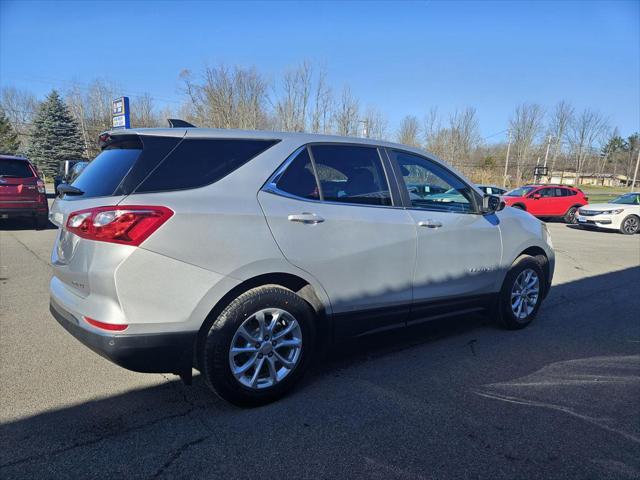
(15, 168)
(519, 192)
(627, 199)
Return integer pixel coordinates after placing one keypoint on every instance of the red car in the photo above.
(22, 192)
(558, 201)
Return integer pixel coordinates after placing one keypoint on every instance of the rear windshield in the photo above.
(15, 169)
(105, 172)
(160, 164)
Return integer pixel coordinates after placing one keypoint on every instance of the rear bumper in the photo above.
(7, 211)
(148, 353)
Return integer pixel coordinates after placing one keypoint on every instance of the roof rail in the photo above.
(177, 123)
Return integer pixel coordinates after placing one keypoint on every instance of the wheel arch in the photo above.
(290, 281)
(520, 205)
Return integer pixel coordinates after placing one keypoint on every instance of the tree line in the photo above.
(303, 100)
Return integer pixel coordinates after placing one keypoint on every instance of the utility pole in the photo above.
(635, 173)
(546, 155)
(506, 163)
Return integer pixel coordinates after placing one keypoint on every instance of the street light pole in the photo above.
(635, 173)
(506, 163)
(546, 155)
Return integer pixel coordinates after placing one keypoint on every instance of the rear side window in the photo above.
(199, 162)
(351, 174)
(15, 169)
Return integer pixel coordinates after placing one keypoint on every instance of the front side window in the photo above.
(351, 174)
(433, 187)
(545, 192)
(520, 192)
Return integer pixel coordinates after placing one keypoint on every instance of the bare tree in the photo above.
(347, 114)
(322, 113)
(20, 108)
(375, 124)
(524, 127)
(143, 112)
(227, 98)
(465, 135)
(409, 132)
(292, 107)
(91, 107)
(560, 119)
(582, 133)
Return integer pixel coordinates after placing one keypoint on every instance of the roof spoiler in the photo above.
(177, 123)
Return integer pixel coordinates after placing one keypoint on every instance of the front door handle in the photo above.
(430, 224)
(305, 217)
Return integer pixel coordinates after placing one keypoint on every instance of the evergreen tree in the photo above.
(9, 143)
(55, 136)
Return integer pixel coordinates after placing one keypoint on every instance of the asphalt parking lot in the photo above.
(458, 398)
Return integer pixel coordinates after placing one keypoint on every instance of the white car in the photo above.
(622, 214)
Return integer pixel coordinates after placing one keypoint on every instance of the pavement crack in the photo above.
(45, 261)
(92, 441)
(176, 455)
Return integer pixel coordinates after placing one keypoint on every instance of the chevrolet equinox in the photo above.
(238, 253)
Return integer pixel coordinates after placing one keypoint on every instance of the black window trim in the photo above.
(396, 199)
(475, 204)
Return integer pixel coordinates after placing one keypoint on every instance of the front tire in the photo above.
(630, 225)
(259, 346)
(522, 293)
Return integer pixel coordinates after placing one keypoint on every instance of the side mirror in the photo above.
(491, 204)
(537, 196)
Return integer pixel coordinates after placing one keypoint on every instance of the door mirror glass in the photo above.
(491, 204)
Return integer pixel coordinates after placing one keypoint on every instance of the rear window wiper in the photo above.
(69, 190)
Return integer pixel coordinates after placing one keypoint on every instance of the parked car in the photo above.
(622, 214)
(22, 191)
(492, 189)
(559, 201)
(69, 171)
(238, 253)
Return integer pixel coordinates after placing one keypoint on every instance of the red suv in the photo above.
(557, 201)
(22, 192)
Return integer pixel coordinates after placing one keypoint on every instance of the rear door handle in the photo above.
(305, 217)
(430, 224)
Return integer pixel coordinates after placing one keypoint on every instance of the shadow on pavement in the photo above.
(452, 397)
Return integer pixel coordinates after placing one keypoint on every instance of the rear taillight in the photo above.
(40, 185)
(128, 225)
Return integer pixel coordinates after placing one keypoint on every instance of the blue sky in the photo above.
(402, 57)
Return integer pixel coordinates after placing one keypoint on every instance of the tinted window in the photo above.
(103, 174)
(199, 162)
(627, 199)
(351, 174)
(545, 192)
(298, 179)
(15, 168)
(433, 187)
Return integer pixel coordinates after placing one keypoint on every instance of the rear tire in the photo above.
(41, 221)
(570, 216)
(519, 207)
(250, 365)
(525, 282)
(630, 225)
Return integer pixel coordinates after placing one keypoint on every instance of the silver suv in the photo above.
(239, 253)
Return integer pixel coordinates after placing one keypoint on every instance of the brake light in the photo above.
(127, 225)
(113, 327)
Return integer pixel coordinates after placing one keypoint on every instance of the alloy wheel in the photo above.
(525, 293)
(631, 225)
(266, 348)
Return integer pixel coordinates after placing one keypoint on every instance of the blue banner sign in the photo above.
(120, 113)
